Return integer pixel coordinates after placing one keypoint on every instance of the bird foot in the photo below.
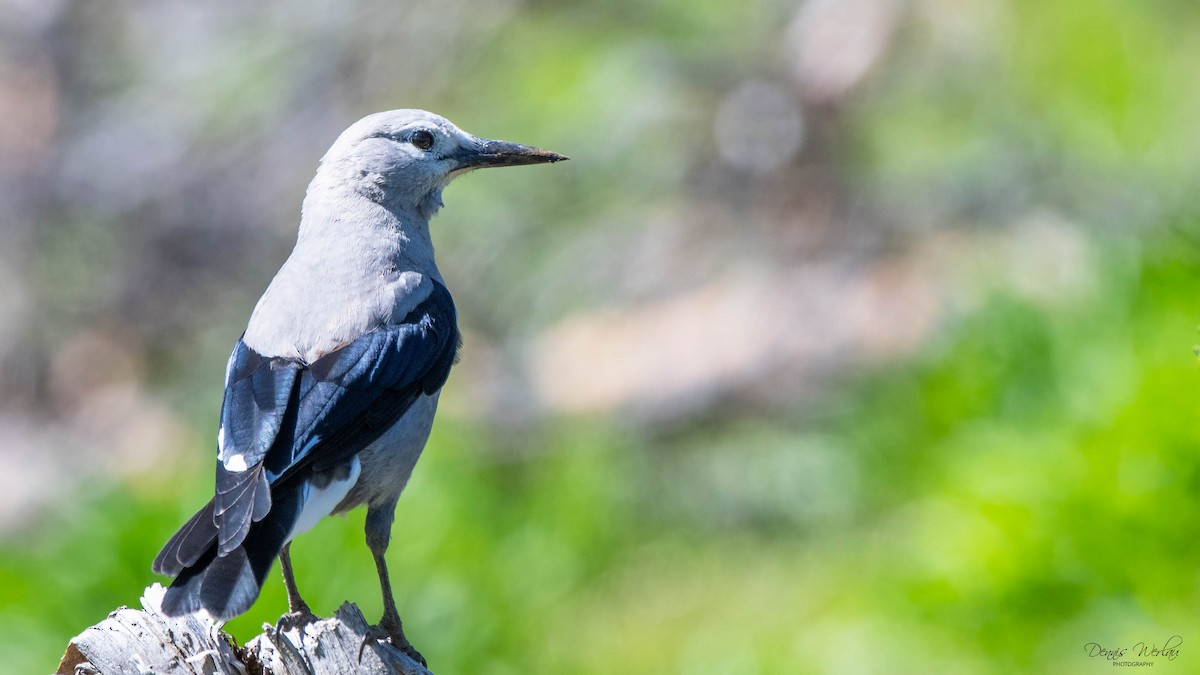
(386, 630)
(296, 619)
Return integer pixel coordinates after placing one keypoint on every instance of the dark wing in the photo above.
(282, 417)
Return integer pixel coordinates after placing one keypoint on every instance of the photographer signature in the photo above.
(1140, 650)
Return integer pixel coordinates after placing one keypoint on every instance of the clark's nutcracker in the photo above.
(331, 392)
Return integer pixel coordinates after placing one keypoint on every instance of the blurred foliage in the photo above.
(1023, 484)
(1023, 487)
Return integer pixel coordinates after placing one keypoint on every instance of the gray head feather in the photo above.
(403, 159)
(364, 253)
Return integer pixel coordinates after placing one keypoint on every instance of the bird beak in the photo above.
(485, 153)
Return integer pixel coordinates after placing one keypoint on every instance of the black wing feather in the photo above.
(289, 419)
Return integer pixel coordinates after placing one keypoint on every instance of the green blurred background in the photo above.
(855, 338)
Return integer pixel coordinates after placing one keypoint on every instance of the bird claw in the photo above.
(395, 637)
(298, 619)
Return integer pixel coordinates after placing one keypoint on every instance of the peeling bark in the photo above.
(144, 642)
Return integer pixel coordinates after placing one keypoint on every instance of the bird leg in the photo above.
(298, 612)
(379, 534)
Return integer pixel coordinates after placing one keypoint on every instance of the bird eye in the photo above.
(422, 139)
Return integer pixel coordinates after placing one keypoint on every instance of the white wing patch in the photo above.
(320, 502)
(236, 463)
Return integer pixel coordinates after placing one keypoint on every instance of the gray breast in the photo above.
(388, 462)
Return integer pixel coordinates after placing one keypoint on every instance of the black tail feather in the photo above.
(187, 546)
(227, 585)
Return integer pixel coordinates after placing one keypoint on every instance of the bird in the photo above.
(330, 392)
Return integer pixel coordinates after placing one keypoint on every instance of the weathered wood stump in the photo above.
(144, 642)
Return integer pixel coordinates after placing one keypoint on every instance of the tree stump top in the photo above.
(144, 642)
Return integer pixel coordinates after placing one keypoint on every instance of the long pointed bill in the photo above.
(502, 153)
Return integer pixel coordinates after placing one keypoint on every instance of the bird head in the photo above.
(404, 158)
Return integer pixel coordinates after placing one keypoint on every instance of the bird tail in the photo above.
(223, 585)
